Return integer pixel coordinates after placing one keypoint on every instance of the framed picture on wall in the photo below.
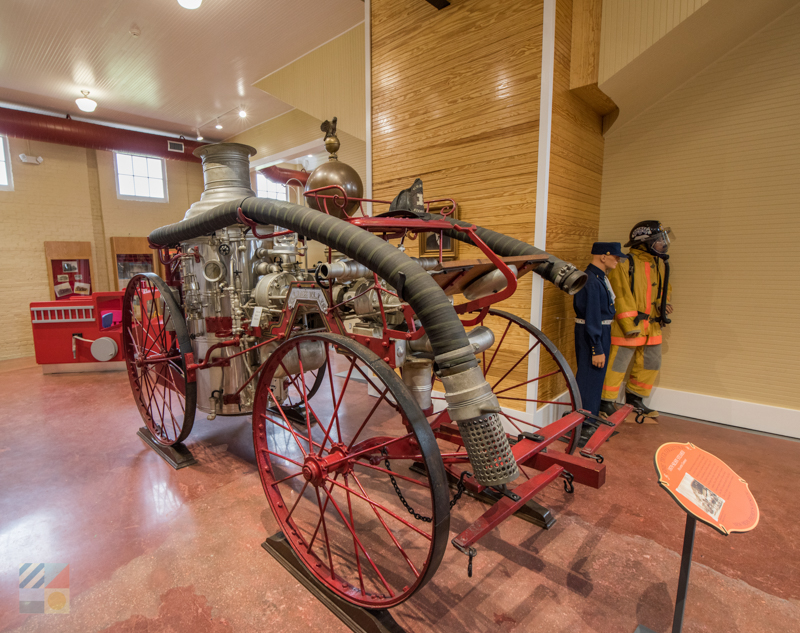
(429, 242)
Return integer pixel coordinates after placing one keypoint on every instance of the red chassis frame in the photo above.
(587, 468)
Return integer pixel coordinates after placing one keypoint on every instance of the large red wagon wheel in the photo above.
(368, 527)
(505, 367)
(155, 342)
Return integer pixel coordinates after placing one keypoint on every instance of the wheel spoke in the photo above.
(355, 541)
(324, 531)
(392, 473)
(388, 531)
(522, 384)
(533, 347)
(497, 349)
(355, 536)
(283, 457)
(288, 426)
(375, 504)
(367, 419)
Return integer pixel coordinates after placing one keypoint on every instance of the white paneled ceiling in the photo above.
(182, 70)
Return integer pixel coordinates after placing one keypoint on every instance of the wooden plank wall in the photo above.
(455, 101)
(573, 207)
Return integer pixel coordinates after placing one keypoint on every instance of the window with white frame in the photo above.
(265, 188)
(141, 177)
(6, 181)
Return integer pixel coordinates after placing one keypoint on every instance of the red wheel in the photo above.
(155, 342)
(505, 366)
(368, 527)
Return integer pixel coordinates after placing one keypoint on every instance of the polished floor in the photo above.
(151, 549)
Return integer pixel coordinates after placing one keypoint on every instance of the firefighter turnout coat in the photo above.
(639, 308)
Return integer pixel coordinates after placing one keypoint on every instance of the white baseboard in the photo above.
(746, 415)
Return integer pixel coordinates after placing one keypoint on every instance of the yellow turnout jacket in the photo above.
(648, 279)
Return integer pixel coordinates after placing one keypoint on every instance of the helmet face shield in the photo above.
(660, 241)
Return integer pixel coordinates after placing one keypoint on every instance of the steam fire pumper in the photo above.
(341, 364)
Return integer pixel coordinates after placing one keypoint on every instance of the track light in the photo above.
(218, 125)
(242, 112)
(85, 103)
(199, 136)
(190, 4)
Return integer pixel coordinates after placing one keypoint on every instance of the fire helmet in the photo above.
(652, 235)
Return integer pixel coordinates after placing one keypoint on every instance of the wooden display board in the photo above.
(134, 249)
(69, 264)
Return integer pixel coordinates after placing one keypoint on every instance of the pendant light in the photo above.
(85, 103)
(190, 4)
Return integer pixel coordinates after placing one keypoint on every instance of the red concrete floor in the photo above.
(152, 549)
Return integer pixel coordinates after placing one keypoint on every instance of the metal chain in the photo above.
(459, 491)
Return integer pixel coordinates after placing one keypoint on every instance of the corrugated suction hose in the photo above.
(562, 274)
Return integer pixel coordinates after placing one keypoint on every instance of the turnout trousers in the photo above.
(646, 365)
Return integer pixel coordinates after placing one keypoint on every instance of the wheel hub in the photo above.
(314, 470)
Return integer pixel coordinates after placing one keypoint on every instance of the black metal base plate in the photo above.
(356, 618)
(177, 455)
(531, 512)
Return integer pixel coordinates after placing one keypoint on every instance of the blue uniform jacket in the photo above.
(594, 304)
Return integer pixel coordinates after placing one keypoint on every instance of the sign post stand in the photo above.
(708, 490)
(683, 579)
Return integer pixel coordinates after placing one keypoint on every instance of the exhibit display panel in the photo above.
(131, 256)
(70, 269)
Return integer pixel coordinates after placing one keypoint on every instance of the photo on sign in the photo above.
(702, 497)
(62, 278)
(69, 267)
(62, 290)
(82, 289)
(78, 277)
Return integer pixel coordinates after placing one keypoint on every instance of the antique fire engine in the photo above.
(354, 456)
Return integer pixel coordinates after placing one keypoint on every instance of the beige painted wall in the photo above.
(630, 27)
(70, 197)
(297, 128)
(718, 161)
(327, 82)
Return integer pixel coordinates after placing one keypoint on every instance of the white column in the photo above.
(542, 184)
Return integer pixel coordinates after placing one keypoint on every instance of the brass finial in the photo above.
(330, 139)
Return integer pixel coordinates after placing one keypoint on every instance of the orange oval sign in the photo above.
(706, 487)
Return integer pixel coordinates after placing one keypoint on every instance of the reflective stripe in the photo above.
(607, 388)
(625, 315)
(583, 322)
(643, 385)
(654, 340)
(629, 342)
(649, 294)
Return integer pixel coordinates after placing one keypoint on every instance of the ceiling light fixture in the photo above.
(218, 125)
(199, 136)
(85, 103)
(190, 4)
(242, 112)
